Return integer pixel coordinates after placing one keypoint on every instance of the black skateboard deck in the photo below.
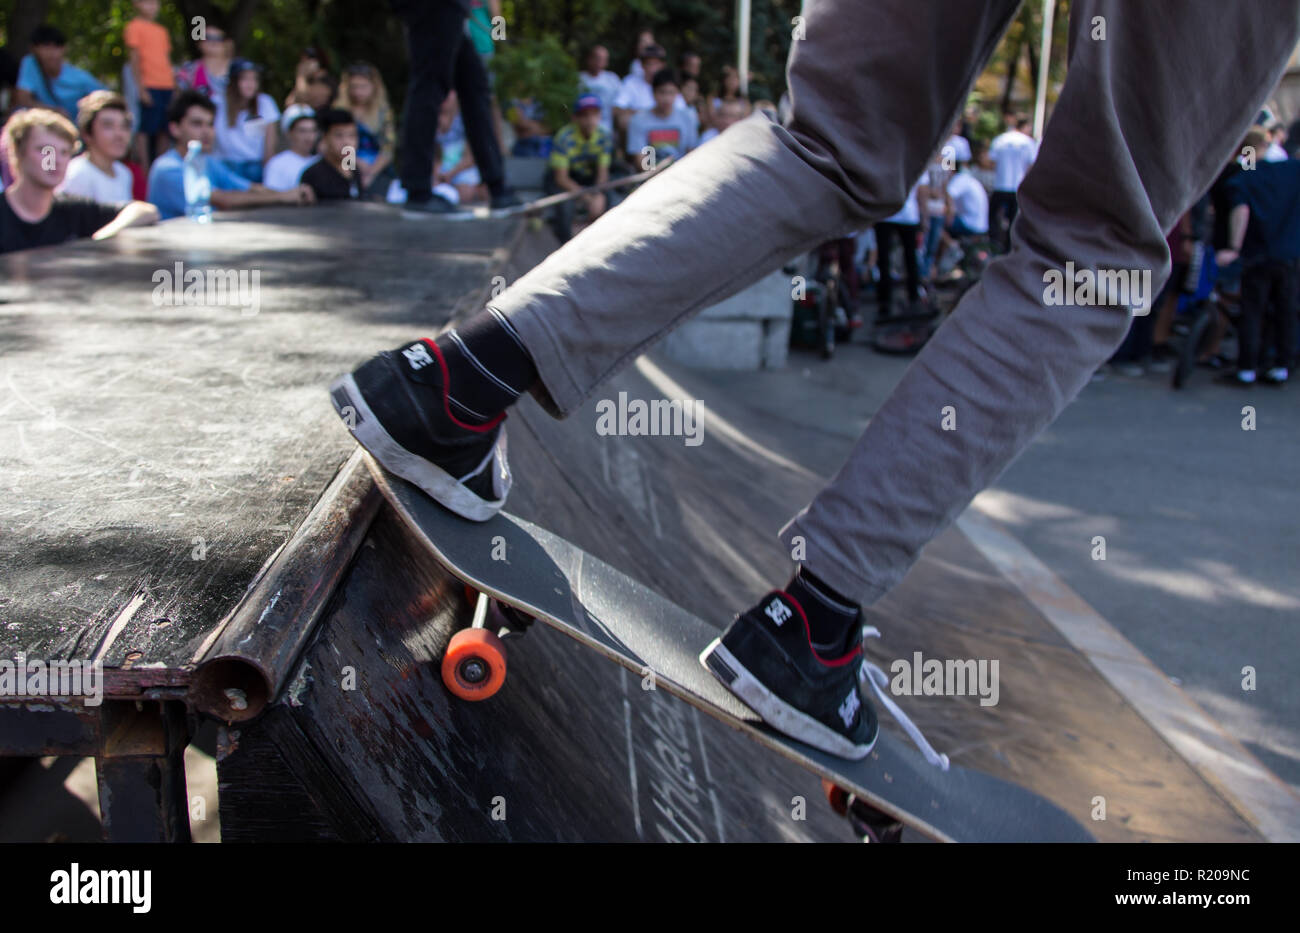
(547, 578)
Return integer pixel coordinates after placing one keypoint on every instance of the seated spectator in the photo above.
(532, 135)
(208, 72)
(595, 78)
(150, 64)
(968, 209)
(1276, 151)
(30, 214)
(455, 165)
(689, 66)
(644, 39)
(322, 88)
(982, 167)
(284, 169)
(724, 115)
(363, 93)
(581, 155)
(98, 173)
(728, 92)
(694, 102)
(664, 128)
(966, 214)
(310, 63)
(191, 116)
(246, 121)
(46, 80)
(637, 91)
(334, 176)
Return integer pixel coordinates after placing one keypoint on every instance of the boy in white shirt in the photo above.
(98, 173)
(284, 169)
(968, 211)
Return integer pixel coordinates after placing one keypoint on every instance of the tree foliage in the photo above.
(545, 39)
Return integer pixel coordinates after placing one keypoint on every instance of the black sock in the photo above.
(488, 367)
(831, 617)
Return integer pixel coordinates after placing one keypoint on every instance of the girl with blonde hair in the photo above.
(362, 93)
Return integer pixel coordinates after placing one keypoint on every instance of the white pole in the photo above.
(1044, 62)
(742, 42)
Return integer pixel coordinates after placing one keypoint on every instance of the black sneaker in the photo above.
(766, 658)
(505, 200)
(434, 204)
(397, 408)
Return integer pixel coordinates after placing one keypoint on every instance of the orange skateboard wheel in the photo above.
(474, 665)
(836, 796)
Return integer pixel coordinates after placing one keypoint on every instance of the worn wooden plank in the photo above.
(570, 749)
(698, 524)
(152, 456)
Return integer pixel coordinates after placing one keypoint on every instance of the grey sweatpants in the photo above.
(1158, 96)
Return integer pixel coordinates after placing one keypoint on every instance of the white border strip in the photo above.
(1261, 797)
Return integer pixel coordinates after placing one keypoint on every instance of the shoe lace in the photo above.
(879, 681)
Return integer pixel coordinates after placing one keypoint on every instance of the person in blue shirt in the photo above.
(190, 116)
(46, 80)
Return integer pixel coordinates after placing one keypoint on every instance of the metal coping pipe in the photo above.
(246, 661)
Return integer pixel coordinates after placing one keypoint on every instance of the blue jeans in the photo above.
(958, 228)
(932, 234)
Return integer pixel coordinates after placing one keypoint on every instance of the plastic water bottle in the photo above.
(198, 189)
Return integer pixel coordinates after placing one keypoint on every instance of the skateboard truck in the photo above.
(474, 664)
(514, 624)
(868, 823)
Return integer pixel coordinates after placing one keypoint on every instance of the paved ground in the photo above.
(1199, 517)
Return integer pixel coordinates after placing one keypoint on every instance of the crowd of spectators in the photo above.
(337, 135)
(78, 159)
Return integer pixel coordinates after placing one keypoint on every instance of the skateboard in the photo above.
(518, 572)
(540, 205)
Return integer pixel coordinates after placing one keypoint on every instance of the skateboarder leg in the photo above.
(1158, 95)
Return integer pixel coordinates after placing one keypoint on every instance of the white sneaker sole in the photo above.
(774, 711)
(395, 458)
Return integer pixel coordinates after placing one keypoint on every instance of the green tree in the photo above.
(545, 40)
(540, 69)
